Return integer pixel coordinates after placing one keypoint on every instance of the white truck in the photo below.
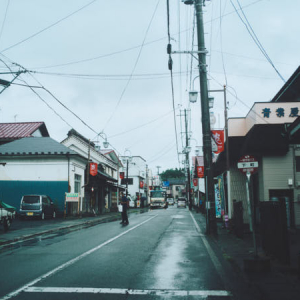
(7, 214)
(157, 199)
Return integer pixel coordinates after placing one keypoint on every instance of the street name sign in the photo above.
(247, 164)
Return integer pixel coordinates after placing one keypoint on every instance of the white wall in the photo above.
(47, 168)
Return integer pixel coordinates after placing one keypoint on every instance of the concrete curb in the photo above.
(110, 217)
(84, 224)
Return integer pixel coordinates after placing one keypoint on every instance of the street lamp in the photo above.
(105, 143)
(193, 96)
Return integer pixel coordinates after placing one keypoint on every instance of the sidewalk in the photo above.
(23, 230)
(281, 282)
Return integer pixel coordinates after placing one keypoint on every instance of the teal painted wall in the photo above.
(11, 192)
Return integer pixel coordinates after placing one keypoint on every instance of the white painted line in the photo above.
(77, 290)
(210, 251)
(70, 262)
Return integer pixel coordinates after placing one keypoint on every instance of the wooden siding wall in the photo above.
(276, 172)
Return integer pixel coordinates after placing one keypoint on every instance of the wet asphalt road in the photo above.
(161, 254)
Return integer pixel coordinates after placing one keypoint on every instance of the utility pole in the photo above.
(187, 162)
(158, 167)
(207, 149)
(227, 151)
(147, 185)
(127, 177)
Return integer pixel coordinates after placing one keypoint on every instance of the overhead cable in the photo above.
(4, 19)
(255, 38)
(170, 64)
(48, 27)
(134, 67)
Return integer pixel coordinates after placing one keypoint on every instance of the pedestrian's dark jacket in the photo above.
(125, 203)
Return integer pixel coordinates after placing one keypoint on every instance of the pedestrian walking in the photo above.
(125, 203)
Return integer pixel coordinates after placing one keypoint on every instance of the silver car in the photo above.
(37, 206)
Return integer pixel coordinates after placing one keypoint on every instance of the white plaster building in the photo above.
(101, 191)
(39, 165)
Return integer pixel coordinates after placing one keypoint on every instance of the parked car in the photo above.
(7, 214)
(181, 202)
(37, 206)
(170, 201)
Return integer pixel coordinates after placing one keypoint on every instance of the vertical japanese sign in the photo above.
(218, 137)
(122, 175)
(93, 169)
(222, 193)
(200, 171)
(218, 201)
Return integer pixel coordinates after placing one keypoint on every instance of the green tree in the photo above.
(172, 173)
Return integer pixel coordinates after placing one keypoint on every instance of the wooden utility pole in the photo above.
(187, 161)
(207, 149)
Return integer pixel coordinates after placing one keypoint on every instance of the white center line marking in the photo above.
(70, 262)
(204, 293)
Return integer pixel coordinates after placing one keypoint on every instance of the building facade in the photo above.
(39, 165)
(100, 190)
(264, 134)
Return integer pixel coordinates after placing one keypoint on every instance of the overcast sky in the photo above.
(104, 67)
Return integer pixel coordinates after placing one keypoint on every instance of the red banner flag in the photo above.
(218, 137)
(122, 175)
(200, 171)
(93, 169)
(195, 182)
(141, 184)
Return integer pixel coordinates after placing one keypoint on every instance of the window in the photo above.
(77, 183)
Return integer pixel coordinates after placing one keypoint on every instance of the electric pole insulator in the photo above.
(169, 48)
(170, 63)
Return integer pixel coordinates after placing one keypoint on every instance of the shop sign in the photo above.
(72, 197)
(280, 112)
(218, 138)
(200, 171)
(93, 169)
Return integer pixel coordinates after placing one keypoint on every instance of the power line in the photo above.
(255, 38)
(171, 73)
(4, 20)
(134, 67)
(221, 42)
(109, 76)
(134, 47)
(48, 27)
(140, 126)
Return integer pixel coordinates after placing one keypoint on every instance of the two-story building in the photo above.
(100, 190)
